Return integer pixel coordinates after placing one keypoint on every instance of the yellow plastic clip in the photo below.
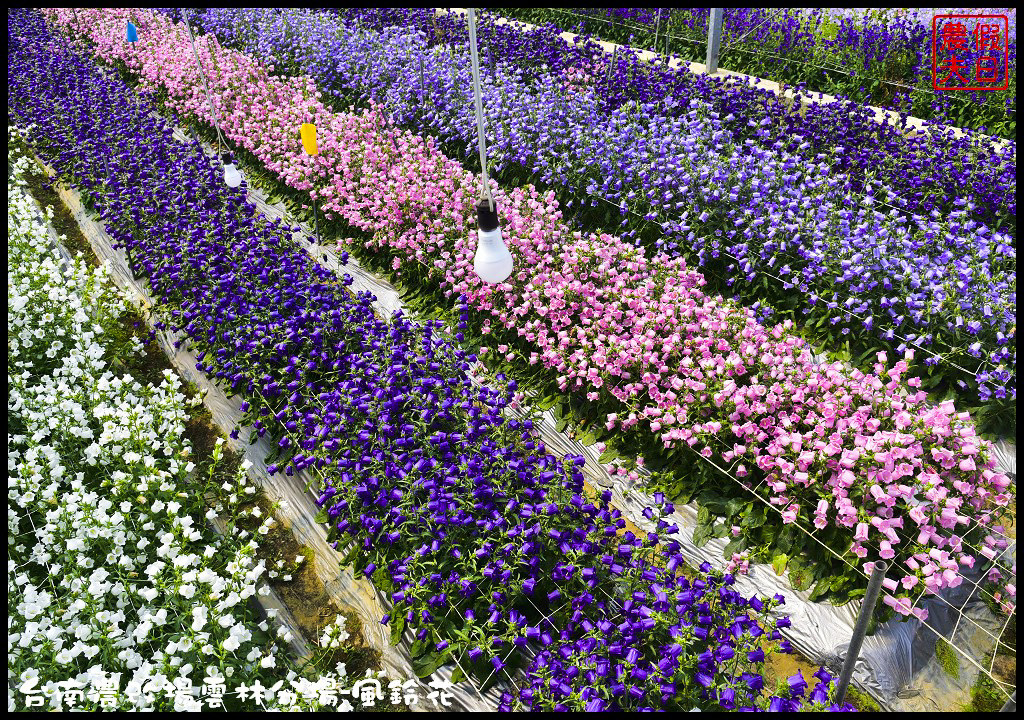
(308, 132)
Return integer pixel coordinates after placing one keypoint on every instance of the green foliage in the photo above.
(986, 696)
(862, 701)
(779, 563)
(801, 573)
(946, 656)
(424, 665)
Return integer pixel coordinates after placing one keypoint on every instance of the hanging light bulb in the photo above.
(493, 261)
(232, 177)
(130, 34)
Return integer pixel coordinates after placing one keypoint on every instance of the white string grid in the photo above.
(978, 588)
(902, 210)
(309, 484)
(901, 338)
(811, 534)
(942, 357)
(322, 479)
(148, 312)
(854, 314)
(962, 651)
(545, 617)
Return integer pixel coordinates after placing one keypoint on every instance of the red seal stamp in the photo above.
(970, 52)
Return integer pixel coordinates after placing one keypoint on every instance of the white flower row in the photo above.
(112, 566)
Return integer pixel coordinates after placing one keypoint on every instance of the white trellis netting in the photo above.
(897, 662)
(897, 665)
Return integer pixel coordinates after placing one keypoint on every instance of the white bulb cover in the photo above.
(232, 177)
(493, 261)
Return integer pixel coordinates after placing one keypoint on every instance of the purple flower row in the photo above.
(884, 58)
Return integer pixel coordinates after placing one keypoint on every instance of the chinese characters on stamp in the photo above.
(970, 52)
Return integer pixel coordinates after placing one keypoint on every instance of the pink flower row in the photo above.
(836, 445)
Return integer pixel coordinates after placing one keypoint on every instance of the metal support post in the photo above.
(1011, 704)
(316, 223)
(860, 629)
(714, 39)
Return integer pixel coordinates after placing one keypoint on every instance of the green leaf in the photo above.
(820, 590)
(352, 556)
(547, 402)
(588, 439)
(863, 357)
(683, 492)
(426, 664)
(458, 676)
(382, 579)
(321, 517)
(756, 517)
(418, 648)
(735, 545)
(801, 576)
(779, 563)
(701, 535)
(397, 627)
(714, 502)
(733, 506)
(784, 542)
(608, 455)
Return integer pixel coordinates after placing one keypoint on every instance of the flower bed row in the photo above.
(928, 171)
(881, 57)
(892, 476)
(785, 233)
(485, 542)
(114, 573)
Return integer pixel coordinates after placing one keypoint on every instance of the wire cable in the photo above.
(209, 96)
(479, 104)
